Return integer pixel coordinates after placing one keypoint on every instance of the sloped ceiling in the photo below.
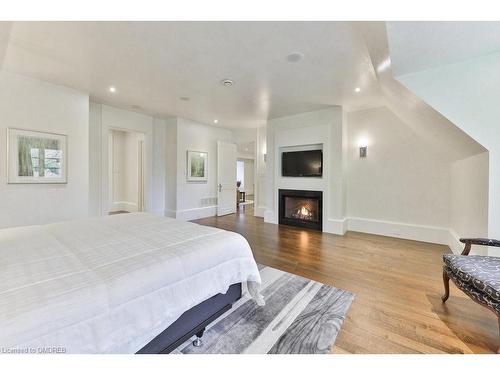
(417, 46)
(428, 125)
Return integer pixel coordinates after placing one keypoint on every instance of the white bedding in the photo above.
(110, 285)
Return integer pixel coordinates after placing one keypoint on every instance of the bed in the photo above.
(131, 283)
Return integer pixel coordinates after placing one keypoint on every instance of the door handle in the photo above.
(220, 188)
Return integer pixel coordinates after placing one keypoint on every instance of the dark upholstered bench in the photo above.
(475, 275)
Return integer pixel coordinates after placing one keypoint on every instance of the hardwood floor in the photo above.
(397, 283)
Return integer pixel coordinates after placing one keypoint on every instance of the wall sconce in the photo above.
(363, 149)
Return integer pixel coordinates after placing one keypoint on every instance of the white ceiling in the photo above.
(153, 64)
(416, 46)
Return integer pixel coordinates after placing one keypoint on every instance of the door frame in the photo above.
(110, 167)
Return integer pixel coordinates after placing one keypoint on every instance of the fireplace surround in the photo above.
(301, 208)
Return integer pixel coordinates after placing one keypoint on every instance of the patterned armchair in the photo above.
(477, 276)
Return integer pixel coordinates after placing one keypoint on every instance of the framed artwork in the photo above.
(197, 166)
(36, 157)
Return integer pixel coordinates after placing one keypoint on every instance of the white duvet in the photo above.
(110, 285)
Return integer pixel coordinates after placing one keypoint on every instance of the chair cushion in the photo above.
(474, 293)
(482, 272)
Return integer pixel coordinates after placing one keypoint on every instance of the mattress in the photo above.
(111, 284)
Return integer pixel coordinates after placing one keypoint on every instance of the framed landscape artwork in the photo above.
(197, 166)
(36, 157)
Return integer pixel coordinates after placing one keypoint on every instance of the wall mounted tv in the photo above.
(302, 163)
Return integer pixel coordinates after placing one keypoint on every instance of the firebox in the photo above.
(301, 208)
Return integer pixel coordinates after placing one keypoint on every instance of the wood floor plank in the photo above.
(397, 283)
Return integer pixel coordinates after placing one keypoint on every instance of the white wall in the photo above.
(95, 160)
(260, 172)
(467, 94)
(239, 136)
(402, 187)
(322, 128)
(158, 165)
(249, 171)
(194, 199)
(171, 168)
(469, 201)
(35, 105)
(102, 119)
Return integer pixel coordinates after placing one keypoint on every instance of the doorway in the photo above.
(126, 171)
(245, 173)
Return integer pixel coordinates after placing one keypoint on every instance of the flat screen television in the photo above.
(302, 163)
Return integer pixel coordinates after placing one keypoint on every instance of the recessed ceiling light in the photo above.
(294, 57)
(216, 121)
(227, 82)
(357, 89)
(112, 89)
(184, 98)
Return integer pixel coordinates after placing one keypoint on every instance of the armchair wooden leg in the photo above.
(446, 282)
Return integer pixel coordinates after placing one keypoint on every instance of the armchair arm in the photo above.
(477, 241)
(480, 241)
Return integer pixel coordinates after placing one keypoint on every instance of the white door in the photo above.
(226, 178)
(140, 198)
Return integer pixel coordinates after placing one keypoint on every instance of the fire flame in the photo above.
(303, 213)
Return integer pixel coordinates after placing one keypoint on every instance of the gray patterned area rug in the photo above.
(300, 316)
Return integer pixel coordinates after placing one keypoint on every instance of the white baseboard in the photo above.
(335, 226)
(124, 206)
(269, 217)
(454, 242)
(259, 211)
(438, 235)
(192, 213)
